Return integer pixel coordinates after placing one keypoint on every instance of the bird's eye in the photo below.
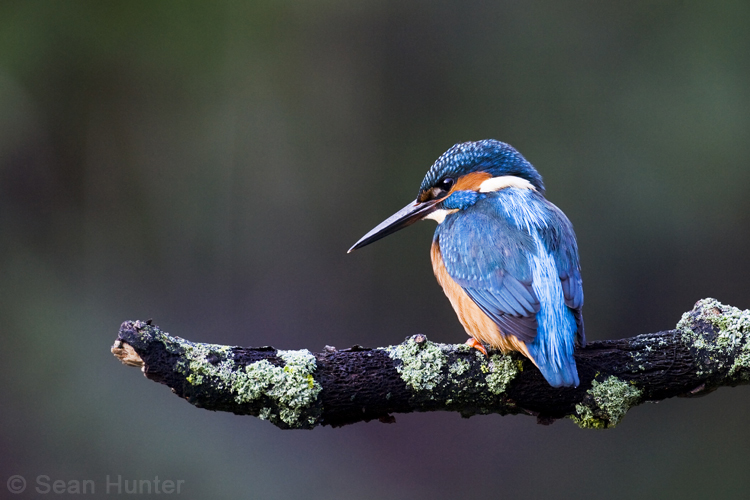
(439, 190)
(446, 184)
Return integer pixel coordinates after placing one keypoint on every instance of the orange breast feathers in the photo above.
(477, 324)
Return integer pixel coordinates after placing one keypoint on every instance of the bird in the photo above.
(506, 258)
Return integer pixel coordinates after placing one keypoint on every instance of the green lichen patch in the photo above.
(606, 403)
(200, 362)
(725, 350)
(502, 370)
(287, 393)
(420, 364)
(457, 375)
(292, 388)
(459, 367)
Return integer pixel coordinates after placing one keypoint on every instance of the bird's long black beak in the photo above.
(407, 216)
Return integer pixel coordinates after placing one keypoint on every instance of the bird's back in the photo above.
(509, 265)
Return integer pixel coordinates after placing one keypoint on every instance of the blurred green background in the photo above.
(208, 164)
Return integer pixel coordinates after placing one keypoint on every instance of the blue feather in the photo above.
(553, 347)
(492, 156)
(514, 254)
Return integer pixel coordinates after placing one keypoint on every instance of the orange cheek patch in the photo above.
(470, 182)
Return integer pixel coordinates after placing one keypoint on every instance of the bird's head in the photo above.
(456, 180)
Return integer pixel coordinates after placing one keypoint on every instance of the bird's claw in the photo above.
(474, 343)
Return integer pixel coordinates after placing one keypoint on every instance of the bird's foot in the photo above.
(472, 342)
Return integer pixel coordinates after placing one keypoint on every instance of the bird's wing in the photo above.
(487, 256)
(560, 241)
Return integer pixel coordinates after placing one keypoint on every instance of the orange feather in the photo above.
(475, 322)
(470, 181)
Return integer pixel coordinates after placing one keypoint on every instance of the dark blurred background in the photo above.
(208, 164)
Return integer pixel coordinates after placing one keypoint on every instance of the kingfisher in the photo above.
(505, 256)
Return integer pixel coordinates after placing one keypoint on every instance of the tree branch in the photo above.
(297, 389)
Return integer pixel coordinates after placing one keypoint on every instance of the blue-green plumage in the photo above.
(491, 156)
(505, 247)
(511, 251)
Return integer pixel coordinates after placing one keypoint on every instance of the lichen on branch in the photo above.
(299, 389)
(606, 403)
(725, 352)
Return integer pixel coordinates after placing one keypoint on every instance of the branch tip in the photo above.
(125, 353)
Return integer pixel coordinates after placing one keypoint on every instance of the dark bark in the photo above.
(297, 389)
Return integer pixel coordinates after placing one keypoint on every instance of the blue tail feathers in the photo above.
(552, 349)
(559, 372)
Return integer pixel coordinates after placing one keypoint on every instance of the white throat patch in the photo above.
(439, 215)
(502, 182)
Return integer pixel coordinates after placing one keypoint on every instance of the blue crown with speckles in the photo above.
(491, 156)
